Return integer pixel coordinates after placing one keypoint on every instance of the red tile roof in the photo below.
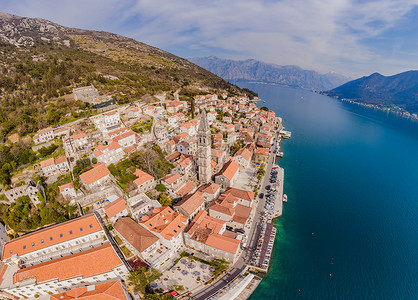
(112, 290)
(52, 236)
(191, 203)
(142, 177)
(139, 237)
(166, 222)
(115, 207)
(99, 171)
(229, 169)
(88, 263)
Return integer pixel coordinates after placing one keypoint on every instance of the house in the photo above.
(244, 197)
(126, 139)
(172, 121)
(109, 290)
(175, 105)
(141, 242)
(170, 146)
(168, 225)
(231, 137)
(107, 121)
(135, 112)
(228, 209)
(261, 155)
(144, 182)
(76, 143)
(173, 182)
(210, 191)
(96, 178)
(191, 205)
(243, 157)
(55, 166)
(228, 175)
(185, 165)
(91, 266)
(116, 209)
(142, 205)
(109, 154)
(189, 127)
(187, 147)
(86, 94)
(188, 188)
(44, 135)
(208, 235)
(61, 131)
(68, 191)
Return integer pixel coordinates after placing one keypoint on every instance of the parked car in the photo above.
(261, 196)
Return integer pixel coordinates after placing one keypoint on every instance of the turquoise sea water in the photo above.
(349, 229)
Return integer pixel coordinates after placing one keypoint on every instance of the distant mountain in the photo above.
(400, 90)
(254, 70)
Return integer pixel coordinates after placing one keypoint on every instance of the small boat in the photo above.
(284, 198)
(264, 101)
(280, 154)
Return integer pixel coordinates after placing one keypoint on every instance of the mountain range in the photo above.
(257, 71)
(398, 91)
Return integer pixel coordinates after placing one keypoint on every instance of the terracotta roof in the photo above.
(48, 129)
(203, 220)
(88, 263)
(99, 171)
(166, 222)
(142, 177)
(60, 160)
(112, 290)
(213, 164)
(78, 136)
(129, 149)
(47, 162)
(139, 237)
(241, 194)
(186, 189)
(222, 242)
(173, 156)
(192, 202)
(229, 169)
(111, 113)
(115, 207)
(210, 188)
(172, 178)
(222, 209)
(217, 153)
(65, 186)
(123, 135)
(52, 236)
(245, 153)
(262, 151)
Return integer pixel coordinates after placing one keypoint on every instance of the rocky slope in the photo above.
(253, 70)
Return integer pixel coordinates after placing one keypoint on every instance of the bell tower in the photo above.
(203, 150)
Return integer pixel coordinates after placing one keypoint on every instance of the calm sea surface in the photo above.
(350, 227)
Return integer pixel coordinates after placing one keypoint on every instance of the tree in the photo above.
(94, 161)
(192, 107)
(161, 187)
(164, 199)
(264, 108)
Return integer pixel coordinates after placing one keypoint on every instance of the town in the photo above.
(171, 195)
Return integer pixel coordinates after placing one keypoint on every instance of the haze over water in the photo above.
(349, 229)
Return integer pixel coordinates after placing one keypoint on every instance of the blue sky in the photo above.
(350, 37)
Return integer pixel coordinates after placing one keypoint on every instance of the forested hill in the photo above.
(400, 90)
(254, 70)
(41, 62)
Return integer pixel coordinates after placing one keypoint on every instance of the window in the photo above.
(33, 244)
(81, 228)
(42, 241)
(175, 231)
(51, 238)
(71, 232)
(24, 246)
(60, 234)
(11, 251)
(91, 226)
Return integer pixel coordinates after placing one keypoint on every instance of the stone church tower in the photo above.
(203, 150)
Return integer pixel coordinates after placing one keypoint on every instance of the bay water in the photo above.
(349, 229)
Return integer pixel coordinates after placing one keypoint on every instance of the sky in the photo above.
(351, 37)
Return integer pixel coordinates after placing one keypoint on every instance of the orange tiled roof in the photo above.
(241, 194)
(52, 236)
(172, 178)
(192, 202)
(166, 222)
(115, 207)
(67, 185)
(99, 171)
(211, 188)
(88, 263)
(229, 169)
(139, 237)
(45, 130)
(223, 243)
(78, 136)
(60, 160)
(142, 177)
(245, 153)
(112, 290)
(47, 162)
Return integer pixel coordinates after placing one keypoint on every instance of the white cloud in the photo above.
(318, 34)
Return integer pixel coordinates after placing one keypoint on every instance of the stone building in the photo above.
(203, 150)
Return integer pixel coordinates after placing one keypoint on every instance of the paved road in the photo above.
(245, 256)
